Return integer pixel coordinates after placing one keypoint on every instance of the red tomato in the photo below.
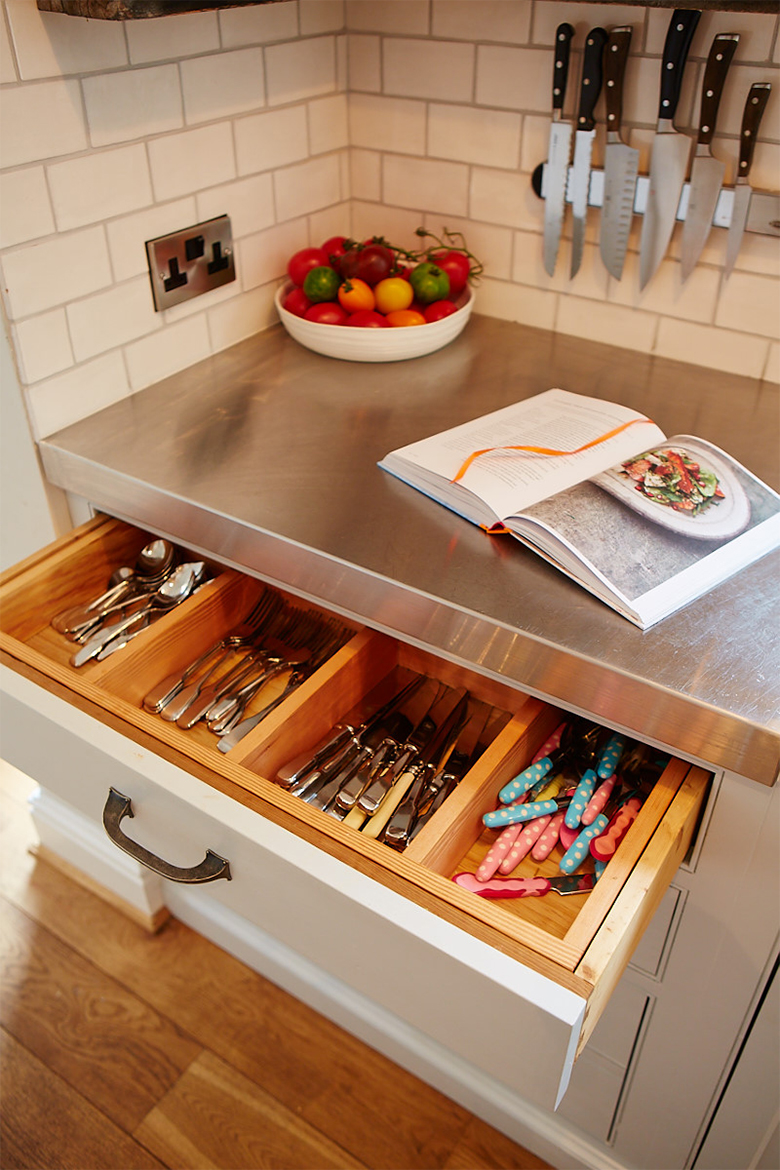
(354, 295)
(301, 263)
(439, 310)
(326, 313)
(368, 319)
(334, 247)
(402, 317)
(371, 263)
(296, 302)
(457, 267)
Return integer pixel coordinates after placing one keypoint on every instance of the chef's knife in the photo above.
(558, 152)
(707, 171)
(590, 88)
(530, 887)
(751, 120)
(621, 162)
(671, 150)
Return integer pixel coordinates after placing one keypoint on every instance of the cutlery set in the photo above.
(667, 196)
(579, 796)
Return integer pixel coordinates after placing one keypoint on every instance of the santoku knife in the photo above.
(671, 150)
(707, 171)
(590, 88)
(559, 151)
(621, 162)
(751, 120)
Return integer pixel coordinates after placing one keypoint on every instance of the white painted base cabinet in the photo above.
(387, 946)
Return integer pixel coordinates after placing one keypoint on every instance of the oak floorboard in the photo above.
(481, 1147)
(215, 1116)
(45, 1123)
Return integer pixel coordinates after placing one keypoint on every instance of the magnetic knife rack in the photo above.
(763, 215)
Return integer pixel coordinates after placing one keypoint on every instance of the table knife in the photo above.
(707, 171)
(590, 88)
(671, 150)
(529, 887)
(751, 120)
(621, 162)
(558, 152)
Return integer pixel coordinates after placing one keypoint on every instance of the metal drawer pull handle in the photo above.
(118, 807)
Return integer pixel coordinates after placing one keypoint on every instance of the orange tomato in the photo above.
(402, 317)
(393, 294)
(355, 295)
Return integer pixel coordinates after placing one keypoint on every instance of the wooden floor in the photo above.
(121, 1049)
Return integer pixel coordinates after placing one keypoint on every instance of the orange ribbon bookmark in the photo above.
(545, 450)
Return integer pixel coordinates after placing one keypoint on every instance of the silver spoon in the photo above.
(151, 567)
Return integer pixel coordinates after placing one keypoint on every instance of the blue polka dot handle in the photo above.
(578, 851)
(582, 795)
(598, 869)
(519, 813)
(610, 757)
(525, 780)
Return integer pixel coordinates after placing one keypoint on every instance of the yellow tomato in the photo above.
(393, 294)
(355, 295)
(405, 317)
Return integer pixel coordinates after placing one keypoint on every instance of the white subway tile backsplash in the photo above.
(582, 17)
(490, 138)
(25, 210)
(131, 104)
(514, 302)
(693, 300)
(167, 351)
(331, 221)
(263, 257)
(528, 268)
(43, 345)
(394, 223)
(342, 63)
(161, 40)
(535, 142)
(41, 121)
(299, 70)
(717, 348)
(307, 186)
(222, 84)
(127, 236)
(320, 16)
(182, 163)
(395, 124)
(255, 26)
(64, 399)
(7, 62)
(100, 185)
(772, 367)
(505, 197)
(760, 254)
(507, 21)
(442, 70)
(410, 17)
(514, 79)
(50, 44)
(492, 245)
(248, 202)
(425, 184)
(365, 174)
(364, 61)
(609, 324)
(750, 303)
(275, 139)
(328, 124)
(755, 34)
(111, 318)
(244, 316)
(55, 271)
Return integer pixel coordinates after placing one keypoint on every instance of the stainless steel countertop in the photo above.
(264, 456)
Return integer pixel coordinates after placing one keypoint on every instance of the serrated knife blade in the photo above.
(707, 171)
(751, 120)
(671, 150)
(590, 88)
(621, 162)
(559, 151)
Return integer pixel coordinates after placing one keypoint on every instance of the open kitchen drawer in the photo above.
(469, 972)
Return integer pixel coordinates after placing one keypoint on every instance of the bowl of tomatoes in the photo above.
(371, 302)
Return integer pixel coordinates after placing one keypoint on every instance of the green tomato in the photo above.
(429, 282)
(321, 284)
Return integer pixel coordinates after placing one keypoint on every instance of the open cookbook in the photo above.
(645, 522)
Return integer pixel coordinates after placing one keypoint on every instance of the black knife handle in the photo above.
(751, 120)
(723, 49)
(682, 26)
(615, 60)
(563, 38)
(592, 76)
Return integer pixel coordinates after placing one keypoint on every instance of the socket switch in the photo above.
(190, 262)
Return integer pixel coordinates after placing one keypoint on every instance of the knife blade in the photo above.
(590, 88)
(621, 162)
(529, 887)
(707, 171)
(559, 151)
(671, 150)
(751, 120)
(423, 715)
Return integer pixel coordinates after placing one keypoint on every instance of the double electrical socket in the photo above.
(187, 263)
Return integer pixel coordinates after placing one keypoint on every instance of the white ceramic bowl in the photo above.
(393, 344)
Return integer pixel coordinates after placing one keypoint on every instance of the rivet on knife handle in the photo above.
(563, 38)
(615, 60)
(682, 26)
(751, 120)
(592, 76)
(723, 48)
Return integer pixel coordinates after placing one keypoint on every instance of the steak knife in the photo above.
(707, 171)
(559, 151)
(621, 162)
(751, 120)
(671, 150)
(590, 88)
